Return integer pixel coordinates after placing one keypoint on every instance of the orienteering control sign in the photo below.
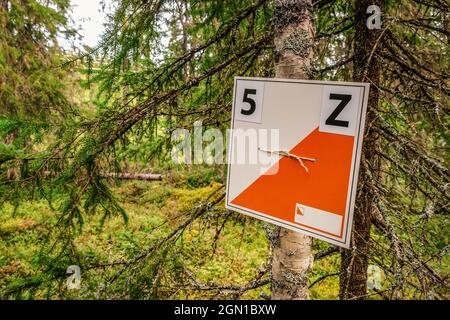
(310, 186)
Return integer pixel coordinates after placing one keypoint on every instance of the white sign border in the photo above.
(354, 167)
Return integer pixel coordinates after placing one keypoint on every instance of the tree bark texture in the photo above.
(354, 262)
(291, 256)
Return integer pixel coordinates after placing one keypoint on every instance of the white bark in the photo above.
(294, 32)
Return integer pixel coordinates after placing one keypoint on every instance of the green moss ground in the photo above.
(154, 209)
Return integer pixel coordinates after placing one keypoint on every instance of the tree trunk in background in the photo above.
(13, 172)
(354, 262)
(292, 256)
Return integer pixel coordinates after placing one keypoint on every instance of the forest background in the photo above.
(72, 121)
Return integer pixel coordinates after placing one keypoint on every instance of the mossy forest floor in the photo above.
(232, 256)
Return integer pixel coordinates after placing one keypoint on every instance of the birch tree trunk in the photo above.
(292, 256)
(354, 262)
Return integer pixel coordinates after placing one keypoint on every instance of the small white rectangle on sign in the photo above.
(340, 108)
(249, 101)
(318, 219)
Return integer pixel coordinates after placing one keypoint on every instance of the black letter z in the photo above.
(345, 99)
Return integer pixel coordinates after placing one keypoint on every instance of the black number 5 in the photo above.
(250, 101)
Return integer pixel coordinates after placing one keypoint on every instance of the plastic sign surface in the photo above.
(307, 136)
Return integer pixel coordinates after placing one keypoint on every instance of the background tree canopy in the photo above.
(67, 122)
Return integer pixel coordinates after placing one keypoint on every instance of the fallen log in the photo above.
(123, 176)
(133, 176)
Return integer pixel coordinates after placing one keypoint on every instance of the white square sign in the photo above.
(310, 184)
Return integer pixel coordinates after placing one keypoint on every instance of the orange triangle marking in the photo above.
(299, 210)
(325, 187)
